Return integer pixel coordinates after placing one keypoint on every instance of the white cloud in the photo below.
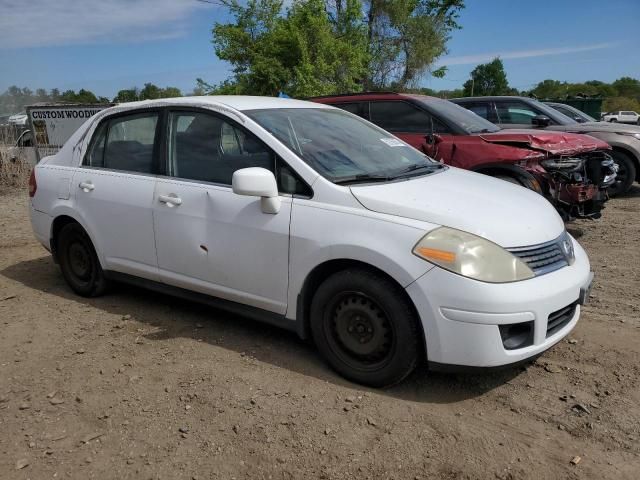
(541, 52)
(40, 23)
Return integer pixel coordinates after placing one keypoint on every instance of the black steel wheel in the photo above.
(79, 263)
(365, 327)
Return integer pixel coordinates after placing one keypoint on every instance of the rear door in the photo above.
(209, 239)
(114, 188)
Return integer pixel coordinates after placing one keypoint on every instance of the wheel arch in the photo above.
(323, 271)
(525, 178)
(633, 156)
(60, 220)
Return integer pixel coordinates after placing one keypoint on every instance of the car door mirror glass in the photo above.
(257, 182)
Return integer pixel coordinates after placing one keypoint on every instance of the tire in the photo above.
(79, 263)
(510, 179)
(366, 328)
(626, 173)
(613, 120)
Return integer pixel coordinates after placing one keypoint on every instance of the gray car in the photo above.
(524, 112)
(571, 112)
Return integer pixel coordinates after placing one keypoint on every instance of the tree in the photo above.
(405, 37)
(488, 79)
(627, 87)
(127, 95)
(303, 52)
(150, 92)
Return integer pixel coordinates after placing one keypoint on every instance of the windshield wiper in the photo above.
(413, 168)
(362, 178)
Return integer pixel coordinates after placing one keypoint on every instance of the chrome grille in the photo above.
(543, 258)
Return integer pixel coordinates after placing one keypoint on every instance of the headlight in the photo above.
(471, 256)
(637, 135)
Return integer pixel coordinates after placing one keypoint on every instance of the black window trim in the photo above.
(453, 128)
(155, 161)
(165, 151)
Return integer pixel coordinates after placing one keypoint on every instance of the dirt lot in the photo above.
(137, 385)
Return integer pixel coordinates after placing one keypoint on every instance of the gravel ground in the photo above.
(140, 385)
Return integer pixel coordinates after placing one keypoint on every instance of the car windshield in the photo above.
(460, 116)
(342, 147)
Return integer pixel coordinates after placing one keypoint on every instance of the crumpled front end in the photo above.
(577, 185)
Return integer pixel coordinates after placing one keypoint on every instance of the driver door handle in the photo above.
(86, 186)
(171, 200)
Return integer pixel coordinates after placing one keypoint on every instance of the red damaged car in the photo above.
(573, 171)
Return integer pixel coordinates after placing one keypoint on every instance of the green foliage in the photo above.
(16, 99)
(148, 92)
(627, 87)
(488, 79)
(613, 104)
(405, 37)
(303, 52)
(319, 47)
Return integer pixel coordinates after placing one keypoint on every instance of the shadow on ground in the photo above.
(174, 318)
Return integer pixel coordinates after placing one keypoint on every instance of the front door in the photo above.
(208, 238)
(415, 126)
(114, 188)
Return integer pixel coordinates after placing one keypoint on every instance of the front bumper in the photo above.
(461, 316)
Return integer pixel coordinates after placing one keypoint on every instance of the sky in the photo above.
(109, 45)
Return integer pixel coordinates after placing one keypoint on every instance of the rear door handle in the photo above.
(86, 186)
(171, 200)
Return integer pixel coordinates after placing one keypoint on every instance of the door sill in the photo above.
(253, 313)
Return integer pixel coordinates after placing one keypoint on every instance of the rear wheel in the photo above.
(79, 263)
(626, 173)
(365, 327)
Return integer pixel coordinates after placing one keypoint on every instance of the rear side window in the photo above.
(124, 143)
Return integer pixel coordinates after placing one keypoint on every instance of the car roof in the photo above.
(492, 97)
(238, 102)
(372, 96)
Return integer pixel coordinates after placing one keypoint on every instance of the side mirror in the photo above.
(257, 182)
(579, 119)
(541, 121)
(433, 138)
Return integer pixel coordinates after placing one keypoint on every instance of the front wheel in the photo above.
(366, 328)
(79, 263)
(625, 176)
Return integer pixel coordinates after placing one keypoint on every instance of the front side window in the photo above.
(464, 119)
(399, 117)
(207, 148)
(516, 112)
(124, 143)
(341, 147)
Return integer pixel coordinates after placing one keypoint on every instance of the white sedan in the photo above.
(311, 218)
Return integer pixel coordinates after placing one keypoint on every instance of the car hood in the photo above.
(555, 143)
(598, 127)
(506, 214)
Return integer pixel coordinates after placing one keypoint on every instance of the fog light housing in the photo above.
(517, 335)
